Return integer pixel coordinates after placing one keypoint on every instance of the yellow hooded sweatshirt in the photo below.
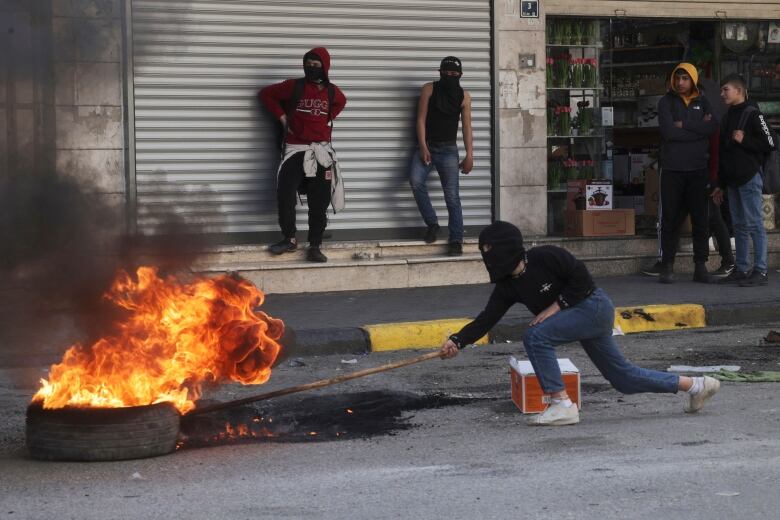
(690, 69)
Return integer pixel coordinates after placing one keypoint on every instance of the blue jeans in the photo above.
(444, 157)
(745, 204)
(590, 322)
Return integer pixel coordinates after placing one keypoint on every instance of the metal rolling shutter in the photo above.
(705, 9)
(204, 150)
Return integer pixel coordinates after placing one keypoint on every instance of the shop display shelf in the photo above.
(568, 89)
(639, 64)
(580, 46)
(592, 136)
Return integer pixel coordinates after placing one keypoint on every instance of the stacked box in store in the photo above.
(589, 211)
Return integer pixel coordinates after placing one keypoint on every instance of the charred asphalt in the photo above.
(437, 439)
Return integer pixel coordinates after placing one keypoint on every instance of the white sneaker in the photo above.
(696, 402)
(556, 415)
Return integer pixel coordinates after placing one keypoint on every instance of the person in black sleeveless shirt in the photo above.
(441, 106)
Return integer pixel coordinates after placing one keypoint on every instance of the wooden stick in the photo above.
(316, 384)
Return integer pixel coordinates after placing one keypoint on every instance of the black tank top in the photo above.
(441, 126)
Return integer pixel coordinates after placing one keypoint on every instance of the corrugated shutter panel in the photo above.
(205, 151)
(706, 9)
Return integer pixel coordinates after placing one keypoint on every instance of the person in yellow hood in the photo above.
(686, 124)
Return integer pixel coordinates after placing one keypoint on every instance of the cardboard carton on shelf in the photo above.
(528, 395)
(596, 223)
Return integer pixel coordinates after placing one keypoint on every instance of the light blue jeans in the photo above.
(444, 157)
(745, 204)
(590, 322)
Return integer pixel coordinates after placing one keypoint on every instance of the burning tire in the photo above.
(95, 434)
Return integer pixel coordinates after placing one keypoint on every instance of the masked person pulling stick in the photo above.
(558, 289)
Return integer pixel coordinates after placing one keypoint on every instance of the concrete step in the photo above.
(385, 265)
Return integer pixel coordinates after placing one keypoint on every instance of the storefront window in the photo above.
(604, 80)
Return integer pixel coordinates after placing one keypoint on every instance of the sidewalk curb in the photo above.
(429, 334)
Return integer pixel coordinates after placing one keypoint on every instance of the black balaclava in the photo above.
(449, 97)
(505, 250)
(315, 74)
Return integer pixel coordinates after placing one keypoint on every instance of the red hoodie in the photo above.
(309, 122)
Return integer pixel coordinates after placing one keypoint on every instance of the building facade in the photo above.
(151, 106)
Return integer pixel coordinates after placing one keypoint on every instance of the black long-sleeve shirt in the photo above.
(551, 274)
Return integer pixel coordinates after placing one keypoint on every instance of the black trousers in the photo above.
(292, 179)
(684, 193)
(720, 231)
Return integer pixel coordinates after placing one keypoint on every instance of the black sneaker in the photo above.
(700, 274)
(654, 270)
(666, 275)
(313, 254)
(431, 233)
(284, 246)
(756, 278)
(456, 249)
(725, 269)
(734, 277)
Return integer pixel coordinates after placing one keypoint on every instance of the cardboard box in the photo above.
(640, 162)
(528, 395)
(652, 188)
(588, 195)
(596, 223)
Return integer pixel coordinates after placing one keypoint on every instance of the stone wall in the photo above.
(26, 94)
(522, 118)
(87, 56)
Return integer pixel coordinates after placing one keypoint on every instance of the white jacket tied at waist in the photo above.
(323, 154)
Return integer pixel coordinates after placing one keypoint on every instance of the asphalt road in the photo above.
(438, 440)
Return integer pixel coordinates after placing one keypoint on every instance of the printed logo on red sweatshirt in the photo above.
(315, 107)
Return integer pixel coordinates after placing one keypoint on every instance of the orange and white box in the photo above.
(528, 395)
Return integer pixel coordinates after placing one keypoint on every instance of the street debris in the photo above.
(349, 361)
(728, 493)
(704, 369)
(627, 315)
(772, 337)
(137, 476)
(748, 377)
(296, 362)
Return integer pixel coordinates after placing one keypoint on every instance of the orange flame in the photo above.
(176, 337)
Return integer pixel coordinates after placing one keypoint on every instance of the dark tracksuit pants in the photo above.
(684, 193)
(720, 231)
(317, 190)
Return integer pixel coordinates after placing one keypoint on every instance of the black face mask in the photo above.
(449, 82)
(315, 74)
(504, 244)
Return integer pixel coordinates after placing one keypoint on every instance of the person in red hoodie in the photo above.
(309, 163)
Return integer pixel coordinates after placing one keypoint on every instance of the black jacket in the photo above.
(551, 274)
(686, 148)
(739, 162)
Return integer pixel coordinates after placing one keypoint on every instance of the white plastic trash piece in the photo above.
(712, 368)
(524, 367)
(349, 361)
(617, 331)
(137, 476)
(728, 494)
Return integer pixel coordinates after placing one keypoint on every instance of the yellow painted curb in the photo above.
(649, 318)
(414, 334)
